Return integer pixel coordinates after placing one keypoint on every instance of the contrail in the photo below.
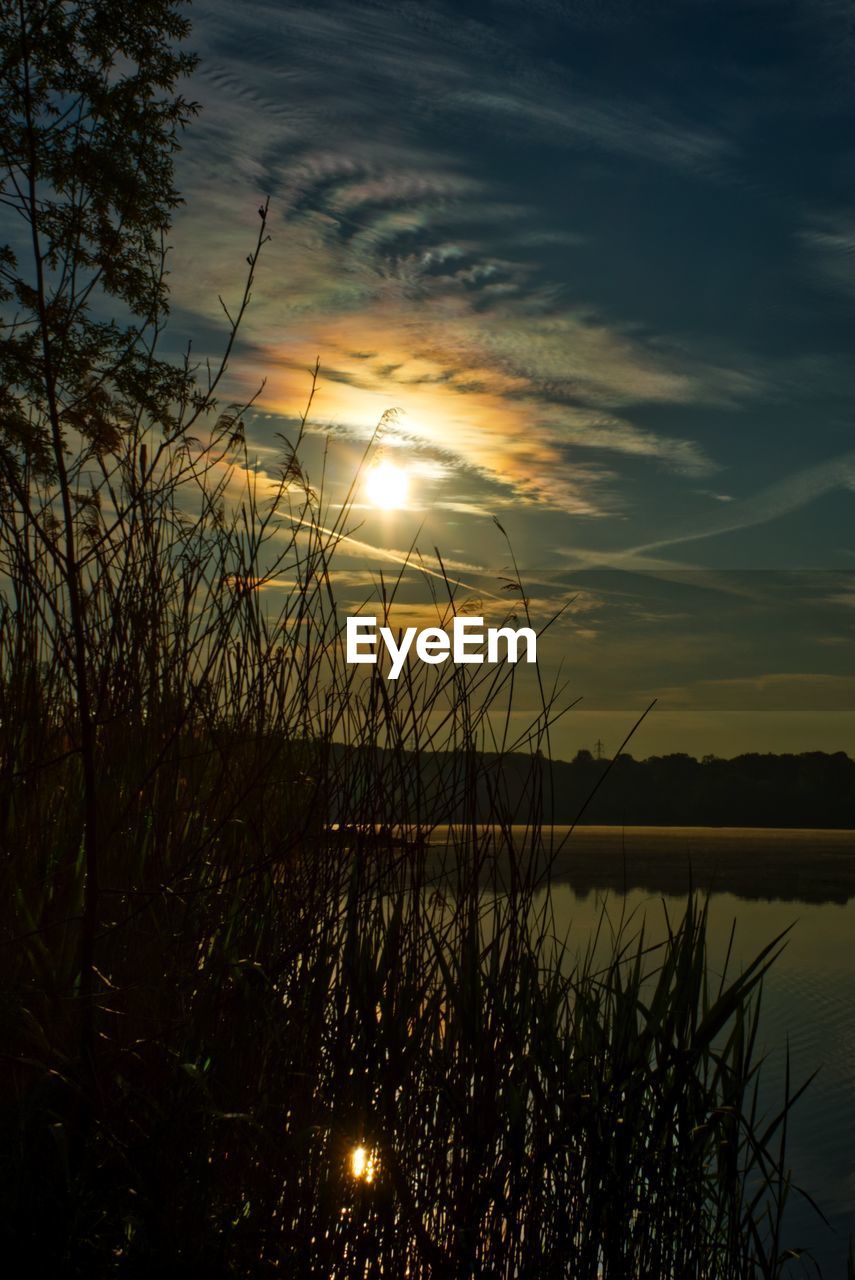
(397, 557)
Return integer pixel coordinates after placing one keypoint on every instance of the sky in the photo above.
(599, 259)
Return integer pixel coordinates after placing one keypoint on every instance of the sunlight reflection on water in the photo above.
(362, 1164)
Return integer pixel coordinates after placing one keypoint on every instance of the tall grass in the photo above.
(284, 978)
(252, 1022)
(232, 956)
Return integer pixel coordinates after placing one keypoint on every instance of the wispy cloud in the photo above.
(625, 128)
(832, 243)
(399, 256)
(769, 503)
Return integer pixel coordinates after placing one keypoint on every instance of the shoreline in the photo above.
(787, 864)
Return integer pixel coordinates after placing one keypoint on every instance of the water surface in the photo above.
(766, 881)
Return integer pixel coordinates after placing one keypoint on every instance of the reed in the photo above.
(252, 1020)
(285, 975)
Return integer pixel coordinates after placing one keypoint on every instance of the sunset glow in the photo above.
(387, 486)
(511, 346)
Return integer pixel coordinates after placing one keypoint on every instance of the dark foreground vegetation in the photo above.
(232, 1041)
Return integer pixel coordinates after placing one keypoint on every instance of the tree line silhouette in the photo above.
(809, 789)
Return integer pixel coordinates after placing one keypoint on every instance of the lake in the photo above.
(764, 880)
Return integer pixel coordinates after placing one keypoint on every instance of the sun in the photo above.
(387, 486)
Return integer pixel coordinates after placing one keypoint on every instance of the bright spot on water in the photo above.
(362, 1164)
